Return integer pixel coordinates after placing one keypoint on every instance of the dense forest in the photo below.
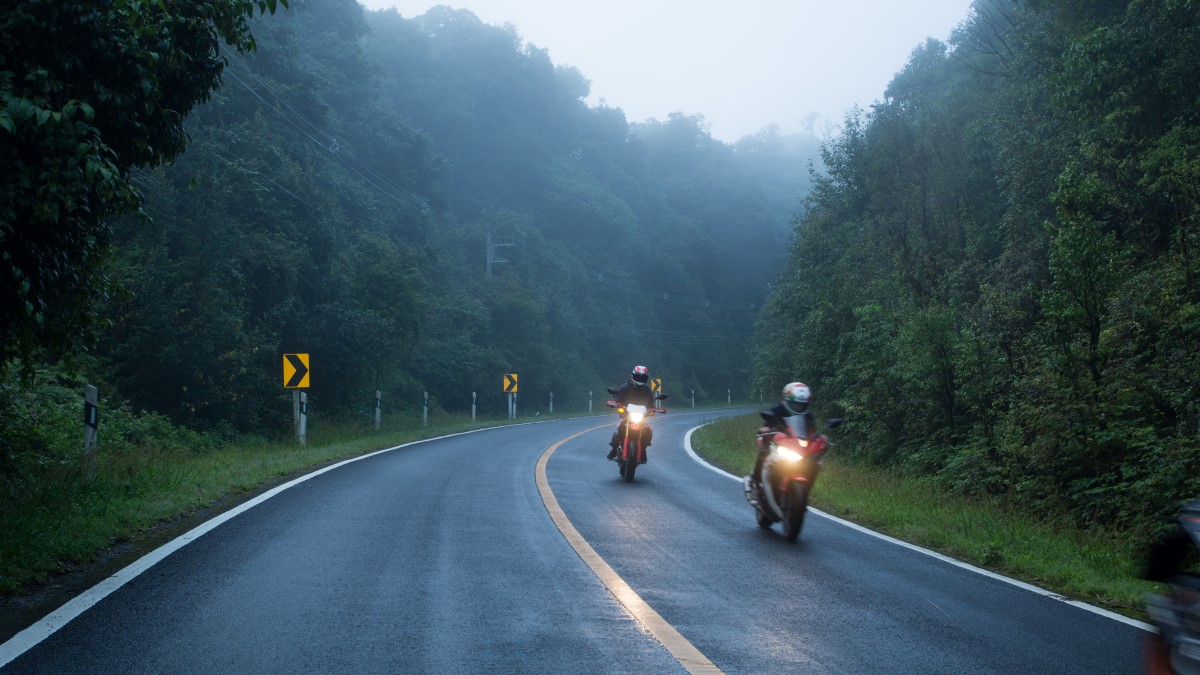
(421, 204)
(997, 276)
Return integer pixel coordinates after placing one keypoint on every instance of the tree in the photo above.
(88, 93)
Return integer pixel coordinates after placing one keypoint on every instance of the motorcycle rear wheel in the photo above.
(794, 510)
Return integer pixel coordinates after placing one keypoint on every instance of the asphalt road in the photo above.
(442, 557)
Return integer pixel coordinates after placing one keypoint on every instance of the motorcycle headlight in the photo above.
(788, 453)
(636, 417)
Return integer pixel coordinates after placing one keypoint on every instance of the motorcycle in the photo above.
(633, 452)
(1175, 647)
(793, 460)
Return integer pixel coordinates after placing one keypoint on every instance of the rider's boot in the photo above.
(612, 454)
(753, 490)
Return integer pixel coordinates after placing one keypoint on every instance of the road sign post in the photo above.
(296, 376)
(509, 386)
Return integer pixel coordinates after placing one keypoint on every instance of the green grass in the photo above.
(63, 517)
(1095, 566)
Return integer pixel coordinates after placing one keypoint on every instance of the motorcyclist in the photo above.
(1172, 648)
(635, 391)
(795, 400)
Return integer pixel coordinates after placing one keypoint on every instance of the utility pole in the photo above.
(491, 252)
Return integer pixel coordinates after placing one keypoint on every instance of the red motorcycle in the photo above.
(629, 435)
(794, 458)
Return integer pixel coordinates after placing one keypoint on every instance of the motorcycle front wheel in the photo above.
(794, 510)
(763, 521)
(631, 465)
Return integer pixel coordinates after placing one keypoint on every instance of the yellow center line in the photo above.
(683, 651)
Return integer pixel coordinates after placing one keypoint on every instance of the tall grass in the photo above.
(1100, 567)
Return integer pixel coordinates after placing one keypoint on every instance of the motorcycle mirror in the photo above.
(834, 423)
(660, 397)
(612, 390)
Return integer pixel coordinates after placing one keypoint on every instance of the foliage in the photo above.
(1011, 308)
(87, 93)
(337, 197)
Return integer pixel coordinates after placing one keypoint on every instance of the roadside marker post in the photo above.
(91, 426)
(302, 431)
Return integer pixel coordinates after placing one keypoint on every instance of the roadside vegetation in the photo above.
(1098, 566)
(60, 511)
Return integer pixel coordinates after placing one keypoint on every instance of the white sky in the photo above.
(743, 64)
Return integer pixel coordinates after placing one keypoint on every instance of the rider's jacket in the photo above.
(778, 412)
(632, 392)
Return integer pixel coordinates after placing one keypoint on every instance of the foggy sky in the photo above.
(741, 64)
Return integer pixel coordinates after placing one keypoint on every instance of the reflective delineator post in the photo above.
(91, 426)
(425, 412)
(472, 406)
(551, 403)
(378, 407)
(589, 401)
(302, 429)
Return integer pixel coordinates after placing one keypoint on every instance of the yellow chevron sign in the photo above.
(510, 383)
(295, 371)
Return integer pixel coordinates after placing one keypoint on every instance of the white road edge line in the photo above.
(31, 636)
(687, 444)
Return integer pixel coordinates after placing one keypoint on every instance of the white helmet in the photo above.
(796, 397)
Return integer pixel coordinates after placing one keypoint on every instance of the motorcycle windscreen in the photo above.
(801, 425)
